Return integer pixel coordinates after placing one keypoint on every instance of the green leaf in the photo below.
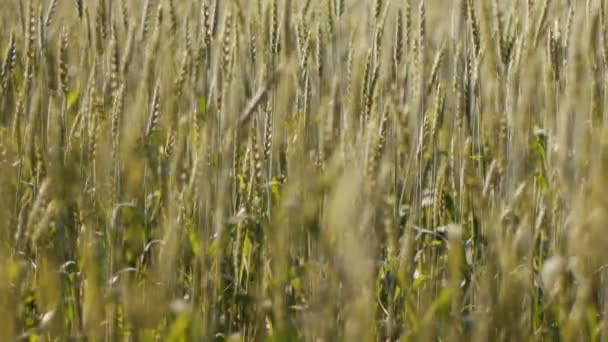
(443, 302)
(288, 334)
(275, 189)
(245, 256)
(541, 181)
(397, 293)
(194, 242)
(419, 282)
(73, 97)
(179, 329)
(202, 107)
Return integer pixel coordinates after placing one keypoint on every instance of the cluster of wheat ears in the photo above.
(315, 170)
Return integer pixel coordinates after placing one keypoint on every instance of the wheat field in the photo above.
(304, 170)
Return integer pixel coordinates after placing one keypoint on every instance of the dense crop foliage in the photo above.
(315, 170)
